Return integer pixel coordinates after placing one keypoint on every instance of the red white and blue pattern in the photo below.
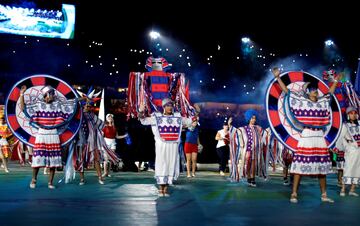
(169, 127)
(288, 121)
(47, 149)
(253, 159)
(308, 113)
(25, 125)
(149, 63)
(312, 155)
(354, 131)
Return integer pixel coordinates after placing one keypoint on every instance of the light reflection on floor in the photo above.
(130, 198)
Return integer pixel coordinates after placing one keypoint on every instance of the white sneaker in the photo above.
(352, 193)
(82, 183)
(293, 200)
(327, 199)
(6, 170)
(342, 193)
(32, 185)
(222, 173)
(50, 186)
(101, 182)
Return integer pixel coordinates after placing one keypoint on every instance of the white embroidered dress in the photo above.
(166, 130)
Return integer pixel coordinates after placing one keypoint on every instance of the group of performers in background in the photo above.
(161, 100)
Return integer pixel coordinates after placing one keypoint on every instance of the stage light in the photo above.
(224, 87)
(329, 42)
(99, 56)
(115, 58)
(213, 79)
(100, 64)
(183, 50)
(68, 44)
(187, 57)
(86, 61)
(180, 55)
(91, 65)
(200, 81)
(189, 64)
(154, 35)
(245, 40)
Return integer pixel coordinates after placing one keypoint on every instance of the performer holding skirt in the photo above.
(47, 115)
(311, 157)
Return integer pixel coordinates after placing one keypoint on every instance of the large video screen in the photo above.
(50, 23)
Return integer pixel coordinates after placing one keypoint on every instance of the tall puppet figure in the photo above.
(150, 88)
